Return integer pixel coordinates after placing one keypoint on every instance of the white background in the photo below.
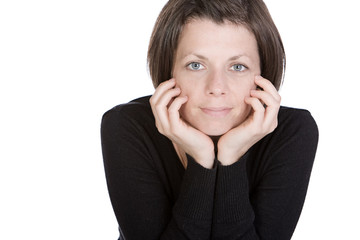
(64, 63)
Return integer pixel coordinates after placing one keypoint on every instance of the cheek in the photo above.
(183, 87)
(187, 109)
(193, 99)
(189, 87)
(181, 82)
(242, 90)
(188, 82)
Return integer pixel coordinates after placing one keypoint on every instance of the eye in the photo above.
(238, 67)
(195, 66)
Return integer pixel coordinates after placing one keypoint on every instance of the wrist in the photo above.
(207, 161)
(227, 158)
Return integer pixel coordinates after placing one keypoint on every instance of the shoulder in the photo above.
(297, 127)
(136, 107)
(293, 120)
(134, 116)
(135, 111)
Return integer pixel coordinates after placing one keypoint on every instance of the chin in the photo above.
(214, 131)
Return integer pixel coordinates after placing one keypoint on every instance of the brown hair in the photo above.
(251, 13)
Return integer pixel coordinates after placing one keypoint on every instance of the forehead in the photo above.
(204, 35)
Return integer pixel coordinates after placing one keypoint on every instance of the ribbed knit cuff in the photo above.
(196, 196)
(232, 202)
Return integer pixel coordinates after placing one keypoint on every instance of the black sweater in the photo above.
(154, 197)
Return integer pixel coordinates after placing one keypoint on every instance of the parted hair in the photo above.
(252, 14)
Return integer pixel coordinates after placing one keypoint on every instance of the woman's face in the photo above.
(215, 66)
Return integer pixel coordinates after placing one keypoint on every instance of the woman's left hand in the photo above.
(262, 121)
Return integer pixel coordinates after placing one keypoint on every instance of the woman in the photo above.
(211, 154)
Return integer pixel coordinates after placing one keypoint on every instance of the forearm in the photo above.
(193, 210)
(233, 216)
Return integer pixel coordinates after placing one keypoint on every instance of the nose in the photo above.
(216, 84)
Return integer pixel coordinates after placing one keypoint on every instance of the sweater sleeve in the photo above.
(192, 213)
(141, 205)
(233, 213)
(272, 208)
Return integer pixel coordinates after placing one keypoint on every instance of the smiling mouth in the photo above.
(216, 112)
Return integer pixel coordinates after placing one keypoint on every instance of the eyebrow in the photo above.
(237, 57)
(205, 58)
(196, 55)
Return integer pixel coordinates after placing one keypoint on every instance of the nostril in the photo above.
(217, 92)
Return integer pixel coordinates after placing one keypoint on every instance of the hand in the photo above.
(262, 121)
(165, 104)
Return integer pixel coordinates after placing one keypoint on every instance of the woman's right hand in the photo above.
(165, 104)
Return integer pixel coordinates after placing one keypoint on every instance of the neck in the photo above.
(215, 139)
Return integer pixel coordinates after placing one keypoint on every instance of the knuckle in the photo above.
(262, 108)
(157, 107)
(160, 129)
(278, 99)
(163, 131)
(162, 84)
(172, 110)
(158, 125)
(151, 100)
(273, 126)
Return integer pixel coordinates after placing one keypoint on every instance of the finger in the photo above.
(163, 87)
(265, 98)
(160, 109)
(174, 115)
(273, 106)
(258, 108)
(157, 103)
(267, 86)
(271, 110)
(165, 99)
(271, 116)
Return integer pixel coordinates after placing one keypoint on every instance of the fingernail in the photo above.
(258, 77)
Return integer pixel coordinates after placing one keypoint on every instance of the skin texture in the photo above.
(216, 85)
(212, 98)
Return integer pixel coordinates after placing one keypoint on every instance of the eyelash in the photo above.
(242, 66)
(200, 65)
(189, 66)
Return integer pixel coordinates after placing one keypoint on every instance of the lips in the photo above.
(216, 111)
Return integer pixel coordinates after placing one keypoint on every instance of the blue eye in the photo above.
(238, 67)
(195, 66)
